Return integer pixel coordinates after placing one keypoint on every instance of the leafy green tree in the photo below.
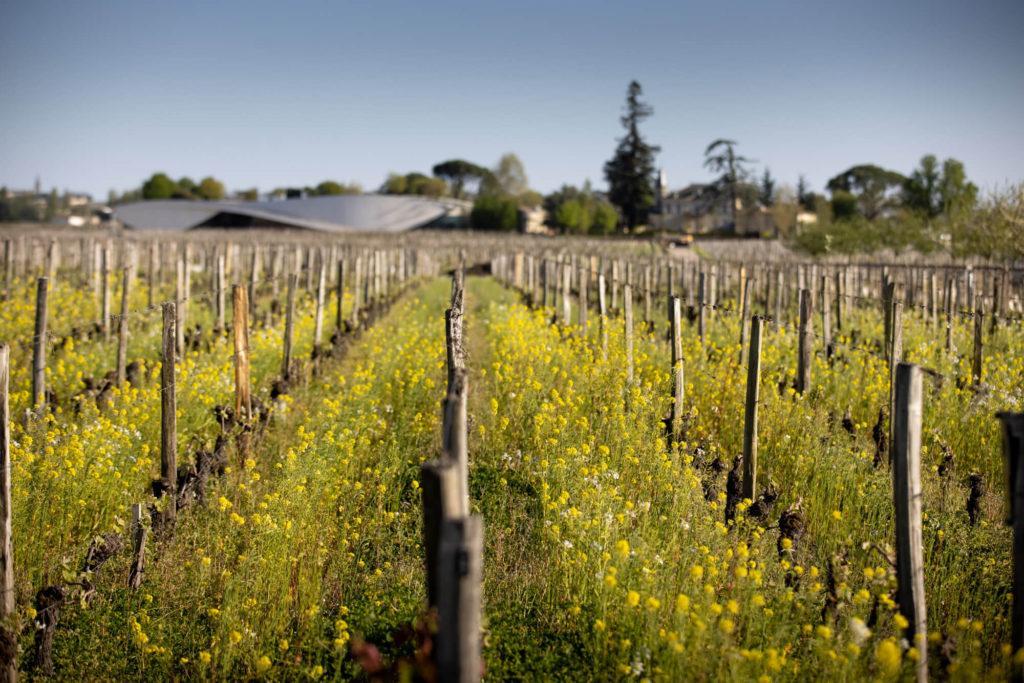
(921, 188)
(210, 189)
(494, 213)
(630, 172)
(159, 186)
(720, 157)
(509, 176)
(956, 194)
(458, 172)
(52, 205)
(605, 218)
(187, 189)
(332, 187)
(767, 194)
(250, 195)
(874, 189)
(804, 197)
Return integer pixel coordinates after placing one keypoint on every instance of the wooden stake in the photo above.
(7, 588)
(139, 533)
(1013, 449)
(627, 299)
(979, 343)
(676, 419)
(750, 412)
(122, 327)
(907, 497)
(602, 302)
(439, 482)
(321, 293)
(169, 416)
(340, 284)
(460, 560)
(39, 348)
(805, 350)
(243, 396)
(289, 327)
(105, 299)
(584, 276)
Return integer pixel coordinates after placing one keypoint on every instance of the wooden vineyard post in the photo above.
(1013, 449)
(566, 301)
(460, 571)
(356, 294)
(780, 283)
(895, 355)
(168, 416)
(840, 283)
(105, 293)
(179, 299)
(439, 483)
(243, 397)
(219, 294)
(950, 310)
(455, 436)
(602, 303)
(7, 599)
(321, 294)
(745, 297)
(289, 327)
(647, 297)
(138, 535)
(151, 278)
(39, 348)
(584, 275)
(826, 310)
(750, 412)
(979, 342)
(627, 299)
(805, 350)
(122, 328)
(340, 285)
(676, 419)
(702, 293)
(906, 478)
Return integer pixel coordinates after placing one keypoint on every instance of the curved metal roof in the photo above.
(336, 213)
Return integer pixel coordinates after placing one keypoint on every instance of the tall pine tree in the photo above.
(631, 173)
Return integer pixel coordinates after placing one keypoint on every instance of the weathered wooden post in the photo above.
(356, 293)
(138, 535)
(441, 501)
(907, 497)
(219, 294)
(750, 411)
(745, 296)
(340, 285)
(39, 348)
(240, 328)
(321, 293)
(1013, 449)
(627, 299)
(566, 287)
(979, 343)
(455, 434)
(602, 302)
(122, 327)
(950, 310)
(105, 299)
(702, 287)
(584, 277)
(289, 327)
(805, 349)
(826, 322)
(460, 565)
(678, 376)
(7, 588)
(169, 417)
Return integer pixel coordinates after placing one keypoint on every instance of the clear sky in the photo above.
(98, 95)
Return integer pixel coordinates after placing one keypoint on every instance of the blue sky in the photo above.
(95, 96)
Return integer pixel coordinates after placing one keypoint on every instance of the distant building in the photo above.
(328, 213)
(702, 209)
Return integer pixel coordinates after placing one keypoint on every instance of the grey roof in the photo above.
(335, 213)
